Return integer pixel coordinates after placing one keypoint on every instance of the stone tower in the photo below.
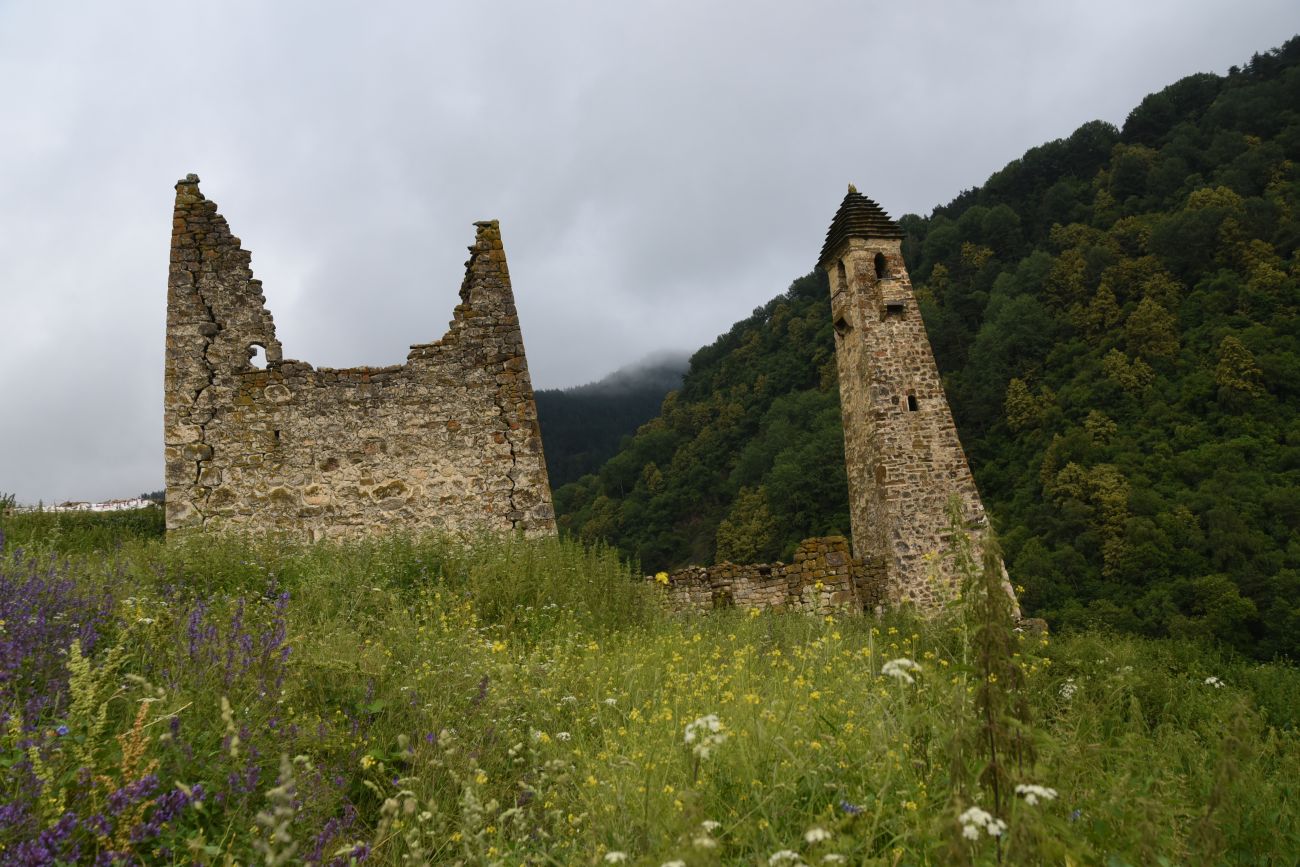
(447, 442)
(900, 444)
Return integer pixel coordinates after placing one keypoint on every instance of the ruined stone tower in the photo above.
(900, 444)
(448, 441)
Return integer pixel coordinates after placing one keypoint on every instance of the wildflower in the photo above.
(562, 736)
(834, 858)
(1214, 682)
(975, 818)
(661, 577)
(704, 735)
(704, 842)
(677, 863)
(1034, 793)
(615, 857)
(816, 835)
(851, 809)
(367, 761)
(709, 826)
(1069, 688)
(611, 701)
(784, 856)
(899, 669)
(61, 730)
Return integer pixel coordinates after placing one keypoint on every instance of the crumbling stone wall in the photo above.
(448, 441)
(905, 463)
(824, 577)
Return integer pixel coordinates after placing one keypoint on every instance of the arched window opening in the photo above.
(257, 356)
(911, 402)
(880, 266)
(841, 277)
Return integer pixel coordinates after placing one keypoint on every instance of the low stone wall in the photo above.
(823, 578)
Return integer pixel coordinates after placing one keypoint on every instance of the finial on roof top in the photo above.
(852, 189)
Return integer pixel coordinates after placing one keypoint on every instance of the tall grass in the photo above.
(527, 702)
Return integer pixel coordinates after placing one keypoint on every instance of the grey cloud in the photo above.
(659, 169)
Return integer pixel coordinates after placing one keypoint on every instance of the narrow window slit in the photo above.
(911, 403)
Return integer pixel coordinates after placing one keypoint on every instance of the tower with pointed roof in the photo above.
(905, 463)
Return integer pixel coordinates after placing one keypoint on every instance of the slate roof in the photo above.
(858, 217)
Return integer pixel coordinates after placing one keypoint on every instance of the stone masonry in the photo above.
(447, 442)
(823, 578)
(904, 460)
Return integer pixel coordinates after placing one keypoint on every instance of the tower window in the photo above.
(880, 266)
(894, 308)
(257, 356)
(841, 277)
(842, 326)
(911, 402)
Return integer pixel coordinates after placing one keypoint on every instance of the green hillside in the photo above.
(1115, 314)
(586, 424)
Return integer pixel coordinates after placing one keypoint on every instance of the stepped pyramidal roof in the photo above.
(858, 217)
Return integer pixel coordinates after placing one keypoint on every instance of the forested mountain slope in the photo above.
(585, 425)
(1115, 314)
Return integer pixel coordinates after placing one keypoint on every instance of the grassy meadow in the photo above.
(515, 702)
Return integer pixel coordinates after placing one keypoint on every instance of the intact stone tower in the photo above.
(447, 442)
(904, 460)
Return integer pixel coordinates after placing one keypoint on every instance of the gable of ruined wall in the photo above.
(447, 442)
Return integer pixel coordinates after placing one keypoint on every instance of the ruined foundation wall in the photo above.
(823, 578)
(447, 442)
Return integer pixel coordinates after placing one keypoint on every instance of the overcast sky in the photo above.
(659, 169)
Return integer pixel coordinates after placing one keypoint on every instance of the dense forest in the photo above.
(1115, 316)
(586, 424)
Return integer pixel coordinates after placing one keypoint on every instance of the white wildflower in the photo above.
(1214, 682)
(899, 669)
(975, 818)
(704, 735)
(562, 736)
(1033, 793)
(611, 701)
(1069, 688)
(678, 863)
(834, 858)
(709, 826)
(615, 857)
(784, 856)
(816, 835)
(704, 842)
(569, 699)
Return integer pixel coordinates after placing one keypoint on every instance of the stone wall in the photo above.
(823, 578)
(905, 463)
(448, 441)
